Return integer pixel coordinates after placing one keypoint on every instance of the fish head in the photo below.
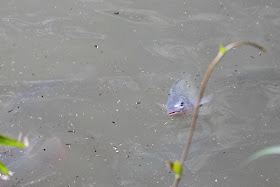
(177, 105)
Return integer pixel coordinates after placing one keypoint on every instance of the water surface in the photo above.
(87, 77)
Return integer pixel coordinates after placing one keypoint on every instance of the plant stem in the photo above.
(201, 92)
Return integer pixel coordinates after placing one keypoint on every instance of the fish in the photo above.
(183, 97)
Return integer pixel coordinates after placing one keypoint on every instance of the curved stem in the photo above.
(201, 92)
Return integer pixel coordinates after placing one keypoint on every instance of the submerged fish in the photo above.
(183, 97)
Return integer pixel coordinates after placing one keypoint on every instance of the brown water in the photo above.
(87, 77)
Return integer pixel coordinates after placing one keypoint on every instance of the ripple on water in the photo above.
(136, 16)
(171, 49)
(59, 26)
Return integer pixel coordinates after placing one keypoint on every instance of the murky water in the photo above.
(84, 80)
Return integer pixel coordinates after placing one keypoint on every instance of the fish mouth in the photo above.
(173, 113)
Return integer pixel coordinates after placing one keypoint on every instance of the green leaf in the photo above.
(176, 167)
(4, 169)
(222, 49)
(267, 151)
(10, 142)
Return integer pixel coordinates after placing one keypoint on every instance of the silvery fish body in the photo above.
(183, 97)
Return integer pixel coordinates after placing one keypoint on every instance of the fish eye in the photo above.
(182, 103)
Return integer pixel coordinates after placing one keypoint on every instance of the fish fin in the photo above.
(206, 99)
